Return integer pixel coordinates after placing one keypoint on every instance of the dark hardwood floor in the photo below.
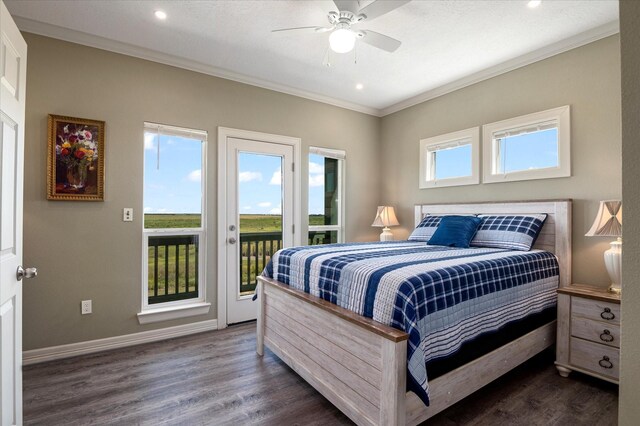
(217, 378)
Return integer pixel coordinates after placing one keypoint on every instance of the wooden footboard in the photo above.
(360, 365)
(356, 363)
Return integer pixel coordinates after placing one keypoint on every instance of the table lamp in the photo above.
(385, 217)
(608, 223)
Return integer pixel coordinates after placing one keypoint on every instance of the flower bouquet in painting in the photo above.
(76, 168)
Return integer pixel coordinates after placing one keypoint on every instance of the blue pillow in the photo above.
(513, 232)
(455, 231)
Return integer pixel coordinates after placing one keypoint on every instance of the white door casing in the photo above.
(13, 66)
(232, 307)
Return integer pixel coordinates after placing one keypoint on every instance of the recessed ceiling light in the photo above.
(359, 86)
(534, 3)
(161, 14)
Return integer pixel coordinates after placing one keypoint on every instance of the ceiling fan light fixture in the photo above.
(342, 40)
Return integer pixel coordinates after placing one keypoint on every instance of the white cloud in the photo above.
(148, 209)
(249, 176)
(148, 141)
(195, 176)
(247, 207)
(276, 179)
(316, 180)
(316, 168)
(276, 210)
(264, 204)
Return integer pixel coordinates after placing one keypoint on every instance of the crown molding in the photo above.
(78, 37)
(561, 46)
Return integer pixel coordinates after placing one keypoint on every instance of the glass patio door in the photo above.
(259, 217)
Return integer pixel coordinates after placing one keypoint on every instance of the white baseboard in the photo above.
(82, 348)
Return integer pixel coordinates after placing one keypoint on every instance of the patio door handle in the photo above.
(232, 240)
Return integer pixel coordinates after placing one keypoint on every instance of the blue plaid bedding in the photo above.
(441, 296)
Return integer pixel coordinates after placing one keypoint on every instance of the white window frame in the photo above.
(430, 146)
(187, 307)
(341, 157)
(491, 154)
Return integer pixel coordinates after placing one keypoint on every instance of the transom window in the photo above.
(326, 204)
(534, 146)
(451, 159)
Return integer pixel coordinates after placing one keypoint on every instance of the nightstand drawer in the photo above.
(595, 310)
(596, 331)
(595, 357)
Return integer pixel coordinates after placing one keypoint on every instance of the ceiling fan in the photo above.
(343, 37)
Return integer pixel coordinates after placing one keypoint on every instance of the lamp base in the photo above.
(386, 234)
(613, 262)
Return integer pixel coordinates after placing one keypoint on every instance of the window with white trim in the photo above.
(533, 146)
(174, 216)
(452, 159)
(326, 196)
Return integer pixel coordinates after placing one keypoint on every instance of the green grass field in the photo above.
(249, 223)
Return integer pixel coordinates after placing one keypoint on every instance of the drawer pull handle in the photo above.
(607, 314)
(606, 336)
(605, 363)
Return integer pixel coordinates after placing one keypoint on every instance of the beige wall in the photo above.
(629, 413)
(587, 78)
(83, 250)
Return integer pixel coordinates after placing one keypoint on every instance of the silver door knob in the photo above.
(232, 240)
(26, 273)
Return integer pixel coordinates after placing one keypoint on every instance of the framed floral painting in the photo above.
(75, 168)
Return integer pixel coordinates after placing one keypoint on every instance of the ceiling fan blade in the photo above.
(380, 7)
(350, 5)
(380, 41)
(306, 29)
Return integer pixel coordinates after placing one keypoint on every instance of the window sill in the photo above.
(173, 312)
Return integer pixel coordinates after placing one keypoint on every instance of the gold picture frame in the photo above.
(75, 163)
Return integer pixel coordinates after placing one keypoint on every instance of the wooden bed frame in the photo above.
(360, 365)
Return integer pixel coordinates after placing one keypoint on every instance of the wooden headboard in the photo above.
(555, 236)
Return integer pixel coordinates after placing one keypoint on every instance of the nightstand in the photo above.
(588, 332)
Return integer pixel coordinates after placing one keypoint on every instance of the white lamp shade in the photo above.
(385, 217)
(608, 221)
(342, 40)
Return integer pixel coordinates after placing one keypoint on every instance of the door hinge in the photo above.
(293, 167)
(293, 229)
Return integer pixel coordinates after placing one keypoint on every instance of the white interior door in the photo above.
(13, 66)
(260, 219)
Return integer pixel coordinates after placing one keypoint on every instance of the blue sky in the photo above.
(176, 186)
(528, 151)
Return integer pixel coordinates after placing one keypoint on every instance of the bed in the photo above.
(361, 366)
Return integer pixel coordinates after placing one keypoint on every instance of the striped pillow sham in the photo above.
(514, 232)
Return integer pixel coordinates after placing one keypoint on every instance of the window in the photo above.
(534, 146)
(174, 217)
(326, 202)
(451, 159)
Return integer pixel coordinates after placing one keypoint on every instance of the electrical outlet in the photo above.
(127, 214)
(85, 306)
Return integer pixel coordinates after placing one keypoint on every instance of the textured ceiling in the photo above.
(442, 41)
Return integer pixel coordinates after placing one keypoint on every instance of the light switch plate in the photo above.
(127, 214)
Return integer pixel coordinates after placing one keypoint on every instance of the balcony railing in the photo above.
(173, 262)
(173, 268)
(256, 249)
